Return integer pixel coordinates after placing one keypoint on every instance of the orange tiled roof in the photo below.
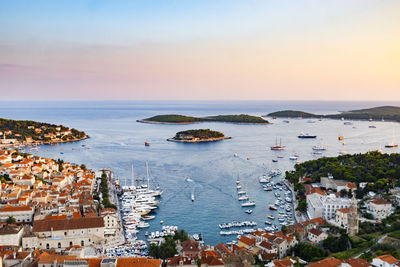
(9, 208)
(379, 201)
(388, 258)
(328, 262)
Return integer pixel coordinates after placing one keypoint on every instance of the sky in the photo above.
(209, 49)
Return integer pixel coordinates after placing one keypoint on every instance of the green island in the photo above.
(180, 119)
(199, 135)
(390, 113)
(24, 132)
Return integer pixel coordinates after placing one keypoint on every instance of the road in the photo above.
(369, 248)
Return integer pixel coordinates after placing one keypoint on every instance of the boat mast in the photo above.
(147, 175)
(133, 177)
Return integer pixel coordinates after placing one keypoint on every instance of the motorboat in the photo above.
(248, 204)
(306, 136)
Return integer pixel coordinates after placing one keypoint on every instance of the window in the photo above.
(59, 245)
(70, 244)
(47, 246)
(82, 243)
(65, 233)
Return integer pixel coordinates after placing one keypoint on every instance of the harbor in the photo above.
(213, 167)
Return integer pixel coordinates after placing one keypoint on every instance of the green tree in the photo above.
(199, 262)
(11, 220)
(302, 206)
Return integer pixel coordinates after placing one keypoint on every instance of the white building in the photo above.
(64, 233)
(315, 235)
(11, 235)
(385, 261)
(22, 214)
(325, 206)
(380, 208)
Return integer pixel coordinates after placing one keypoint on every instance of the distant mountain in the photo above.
(390, 113)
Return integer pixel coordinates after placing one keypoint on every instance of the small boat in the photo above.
(293, 158)
(286, 121)
(249, 211)
(341, 137)
(245, 197)
(274, 160)
(248, 158)
(348, 123)
(272, 207)
(248, 204)
(268, 222)
(192, 197)
(319, 148)
(147, 143)
(306, 136)
(161, 221)
(391, 145)
(270, 217)
(372, 126)
(235, 155)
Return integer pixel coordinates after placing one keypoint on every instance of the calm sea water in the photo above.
(117, 142)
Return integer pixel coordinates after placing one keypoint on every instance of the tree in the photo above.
(83, 167)
(284, 229)
(199, 262)
(307, 251)
(302, 205)
(11, 220)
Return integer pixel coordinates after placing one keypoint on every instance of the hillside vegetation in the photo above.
(199, 133)
(175, 118)
(390, 113)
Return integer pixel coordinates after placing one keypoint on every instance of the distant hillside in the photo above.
(180, 119)
(293, 114)
(173, 118)
(242, 118)
(389, 113)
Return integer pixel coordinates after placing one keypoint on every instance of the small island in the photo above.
(390, 113)
(15, 133)
(198, 136)
(181, 119)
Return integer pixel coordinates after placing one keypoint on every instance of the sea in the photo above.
(117, 142)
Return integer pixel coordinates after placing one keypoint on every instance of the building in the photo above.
(385, 261)
(355, 263)
(325, 206)
(328, 262)
(380, 208)
(22, 214)
(11, 235)
(315, 235)
(63, 233)
(347, 218)
(191, 249)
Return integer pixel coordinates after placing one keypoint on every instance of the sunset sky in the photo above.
(216, 49)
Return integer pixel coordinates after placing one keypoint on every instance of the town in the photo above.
(58, 213)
